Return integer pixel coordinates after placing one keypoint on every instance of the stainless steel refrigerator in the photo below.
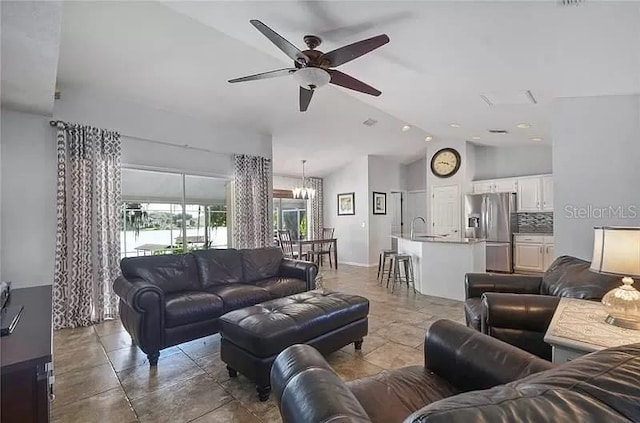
(492, 217)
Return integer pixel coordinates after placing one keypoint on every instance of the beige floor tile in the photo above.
(107, 407)
(201, 347)
(394, 356)
(73, 357)
(133, 356)
(74, 336)
(109, 327)
(349, 367)
(144, 379)
(404, 334)
(181, 402)
(115, 341)
(272, 415)
(73, 386)
(214, 366)
(371, 342)
(232, 412)
(244, 391)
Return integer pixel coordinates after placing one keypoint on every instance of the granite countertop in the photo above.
(437, 239)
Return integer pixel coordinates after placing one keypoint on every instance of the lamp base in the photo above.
(622, 323)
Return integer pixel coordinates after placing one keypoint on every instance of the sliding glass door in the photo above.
(290, 214)
(164, 213)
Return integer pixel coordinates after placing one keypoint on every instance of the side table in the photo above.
(578, 328)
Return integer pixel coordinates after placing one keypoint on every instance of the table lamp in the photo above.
(616, 251)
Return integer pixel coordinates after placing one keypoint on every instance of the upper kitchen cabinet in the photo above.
(482, 187)
(505, 185)
(529, 194)
(547, 193)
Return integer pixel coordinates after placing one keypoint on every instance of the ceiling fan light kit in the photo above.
(312, 68)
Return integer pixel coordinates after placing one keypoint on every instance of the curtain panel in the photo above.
(252, 214)
(316, 208)
(88, 225)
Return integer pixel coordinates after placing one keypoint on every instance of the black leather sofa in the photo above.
(517, 309)
(169, 299)
(467, 377)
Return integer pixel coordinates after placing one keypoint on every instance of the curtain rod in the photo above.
(169, 144)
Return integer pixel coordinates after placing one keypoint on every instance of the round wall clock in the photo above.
(445, 163)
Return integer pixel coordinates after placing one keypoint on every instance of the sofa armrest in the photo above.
(517, 311)
(142, 312)
(308, 390)
(477, 284)
(470, 360)
(298, 269)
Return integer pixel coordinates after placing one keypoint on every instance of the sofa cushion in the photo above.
(192, 306)
(570, 277)
(261, 263)
(600, 387)
(169, 272)
(473, 313)
(282, 287)
(391, 396)
(216, 267)
(239, 295)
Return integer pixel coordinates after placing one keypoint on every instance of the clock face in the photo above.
(445, 163)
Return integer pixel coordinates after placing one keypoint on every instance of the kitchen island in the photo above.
(440, 263)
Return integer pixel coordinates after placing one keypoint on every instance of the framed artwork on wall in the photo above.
(379, 202)
(347, 204)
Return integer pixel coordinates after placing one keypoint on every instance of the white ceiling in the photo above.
(441, 57)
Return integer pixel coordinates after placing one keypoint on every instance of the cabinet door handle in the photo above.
(540, 250)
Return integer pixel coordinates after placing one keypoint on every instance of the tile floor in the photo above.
(101, 377)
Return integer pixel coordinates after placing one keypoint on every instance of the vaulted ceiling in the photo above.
(442, 57)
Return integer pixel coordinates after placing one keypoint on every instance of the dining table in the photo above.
(300, 243)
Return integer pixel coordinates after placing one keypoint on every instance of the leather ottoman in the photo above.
(252, 337)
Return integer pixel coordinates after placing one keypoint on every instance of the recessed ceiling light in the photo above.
(536, 139)
(523, 126)
(406, 128)
(475, 138)
(428, 138)
(454, 125)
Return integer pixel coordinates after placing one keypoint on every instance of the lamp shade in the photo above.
(616, 250)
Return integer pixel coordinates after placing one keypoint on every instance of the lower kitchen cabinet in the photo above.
(532, 253)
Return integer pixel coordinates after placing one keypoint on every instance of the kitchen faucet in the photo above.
(413, 222)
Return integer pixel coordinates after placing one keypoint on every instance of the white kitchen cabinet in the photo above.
(529, 193)
(547, 193)
(505, 185)
(533, 253)
(482, 187)
(548, 256)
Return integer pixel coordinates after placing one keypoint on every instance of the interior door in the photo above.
(445, 210)
(394, 206)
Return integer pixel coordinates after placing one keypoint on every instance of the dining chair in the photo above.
(324, 248)
(286, 243)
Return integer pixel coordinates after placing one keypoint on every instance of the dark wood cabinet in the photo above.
(26, 359)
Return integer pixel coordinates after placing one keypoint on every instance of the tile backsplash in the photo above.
(535, 222)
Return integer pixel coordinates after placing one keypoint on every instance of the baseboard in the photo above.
(351, 263)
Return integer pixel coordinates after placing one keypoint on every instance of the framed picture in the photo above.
(347, 204)
(379, 202)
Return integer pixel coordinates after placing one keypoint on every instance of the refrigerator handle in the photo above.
(483, 213)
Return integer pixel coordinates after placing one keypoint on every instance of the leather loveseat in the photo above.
(517, 309)
(467, 377)
(169, 299)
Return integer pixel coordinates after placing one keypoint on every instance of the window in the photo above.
(290, 214)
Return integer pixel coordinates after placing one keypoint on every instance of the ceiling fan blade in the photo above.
(344, 80)
(305, 98)
(289, 49)
(346, 54)
(265, 75)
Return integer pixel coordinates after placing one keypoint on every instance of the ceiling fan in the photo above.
(312, 68)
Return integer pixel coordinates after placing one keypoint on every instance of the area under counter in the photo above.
(441, 263)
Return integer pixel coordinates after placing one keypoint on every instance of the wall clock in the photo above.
(445, 163)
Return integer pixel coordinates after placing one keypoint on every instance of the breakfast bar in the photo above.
(441, 262)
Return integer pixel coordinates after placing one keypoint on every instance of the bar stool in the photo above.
(398, 262)
(382, 262)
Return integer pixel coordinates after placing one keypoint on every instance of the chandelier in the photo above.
(304, 192)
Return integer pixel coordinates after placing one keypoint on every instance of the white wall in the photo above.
(352, 232)
(286, 182)
(414, 175)
(596, 152)
(503, 162)
(28, 206)
(138, 122)
(384, 176)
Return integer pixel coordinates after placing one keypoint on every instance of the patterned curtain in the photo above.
(88, 225)
(317, 208)
(252, 214)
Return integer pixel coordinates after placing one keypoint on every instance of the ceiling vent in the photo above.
(508, 98)
(498, 131)
(569, 2)
(369, 122)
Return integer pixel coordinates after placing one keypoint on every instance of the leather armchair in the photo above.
(517, 309)
(457, 359)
